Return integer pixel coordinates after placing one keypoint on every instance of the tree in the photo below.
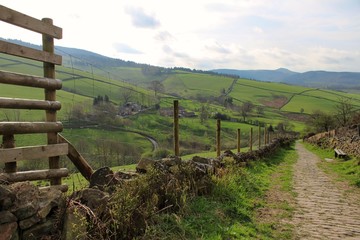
(98, 100)
(204, 114)
(148, 70)
(246, 108)
(260, 110)
(321, 121)
(157, 87)
(355, 120)
(284, 126)
(78, 112)
(104, 113)
(344, 110)
(228, 102)
(126, 94)
(270, 128)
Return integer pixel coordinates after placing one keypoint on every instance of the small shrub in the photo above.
(161, 153)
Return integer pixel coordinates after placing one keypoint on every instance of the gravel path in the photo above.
(322, 209)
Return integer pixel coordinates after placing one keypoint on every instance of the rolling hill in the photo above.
(86, 75)
(341, 81)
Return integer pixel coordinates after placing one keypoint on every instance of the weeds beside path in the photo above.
(323, 209)
(246, 203)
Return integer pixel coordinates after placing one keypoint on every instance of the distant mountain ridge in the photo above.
(342, 81)
(74, 56)
(262, 75)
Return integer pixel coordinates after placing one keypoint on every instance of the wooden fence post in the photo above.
(259, 136)
(269, 137)
(176, 128)
(50, 95)
(218, 140)
(238, 140)
(9, 142)
(251, 139)
(265, 133)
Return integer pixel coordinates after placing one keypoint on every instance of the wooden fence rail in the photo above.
(16, 103)
(56, 145)
(10, 128)
(29, 81)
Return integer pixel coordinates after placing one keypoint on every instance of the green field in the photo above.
(194, 91)
(195, 84)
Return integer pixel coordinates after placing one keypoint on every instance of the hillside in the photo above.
(341, 81)
(88, 75)
(262, 75)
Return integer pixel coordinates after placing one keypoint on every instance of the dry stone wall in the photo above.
(27, 212)
(347, 139)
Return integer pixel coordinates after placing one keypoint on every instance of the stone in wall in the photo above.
(26, 212)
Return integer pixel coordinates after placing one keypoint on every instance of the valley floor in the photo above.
(324, 208)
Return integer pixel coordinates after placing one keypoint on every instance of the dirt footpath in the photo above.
(323, 211)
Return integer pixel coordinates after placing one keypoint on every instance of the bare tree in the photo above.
(157, 87)
(285, 126)
(126, 94)
(245, 109)
(260, 110)
(321, 121)
(344, 110)
(204, 113)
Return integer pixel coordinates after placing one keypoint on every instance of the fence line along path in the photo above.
(324, 210)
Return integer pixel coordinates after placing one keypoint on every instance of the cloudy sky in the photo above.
(206, 34)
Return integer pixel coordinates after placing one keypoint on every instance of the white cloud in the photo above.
(141, 19)
(124, 48)
(258, 30)
(164, 36)
(257, 34)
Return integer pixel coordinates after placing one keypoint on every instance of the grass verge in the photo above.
(246, 203)
(345, 170)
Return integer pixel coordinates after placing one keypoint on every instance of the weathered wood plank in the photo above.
(77, 159)
(50, 95)
(176, 128)
(9, 142)
(8, 128)
(22, 20)
(33, 152)
(34, 175)
(218, 137)
(29, 81)
(238, 140)
(18, 103)
(30, 53)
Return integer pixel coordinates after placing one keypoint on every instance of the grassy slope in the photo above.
(192, 84)
(257, 92)
(76, 81)
(85, 85)
(348, 171)
(232, 210)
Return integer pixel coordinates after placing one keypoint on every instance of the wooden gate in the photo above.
(56, 145)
